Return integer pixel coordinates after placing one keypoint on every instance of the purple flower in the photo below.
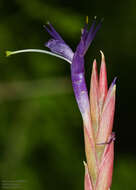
(60, 49)
(58, 46)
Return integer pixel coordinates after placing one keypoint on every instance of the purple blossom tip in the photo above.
(87, 36)
(91, 34)
(111, 138)
(77, 66)
(114, 81)
(57, 44)
(50, 29)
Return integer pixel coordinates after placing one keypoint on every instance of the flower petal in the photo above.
(86, 38)
(81, 93)
(91, 34)
(60, 48)
(57, 44)
(53, 32)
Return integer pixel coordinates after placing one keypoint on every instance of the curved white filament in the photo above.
(38, 51)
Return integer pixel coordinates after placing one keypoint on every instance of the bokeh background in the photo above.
(41, 138)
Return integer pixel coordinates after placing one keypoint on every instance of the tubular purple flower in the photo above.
(77, 68)
(58, 46)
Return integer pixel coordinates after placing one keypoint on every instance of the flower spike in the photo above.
(97, 111)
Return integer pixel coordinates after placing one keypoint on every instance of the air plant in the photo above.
(97, 111)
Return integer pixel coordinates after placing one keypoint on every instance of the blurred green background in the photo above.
(41, 138)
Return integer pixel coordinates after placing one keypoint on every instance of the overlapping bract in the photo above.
(102, 105)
